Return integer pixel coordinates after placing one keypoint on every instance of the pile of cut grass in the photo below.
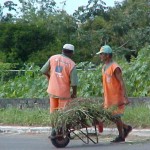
(80, 113)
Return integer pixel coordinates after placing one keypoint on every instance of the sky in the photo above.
(71, 5)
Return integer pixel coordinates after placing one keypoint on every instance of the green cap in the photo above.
(105, 49)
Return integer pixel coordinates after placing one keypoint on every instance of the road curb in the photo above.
(106, 131)
(22, 129)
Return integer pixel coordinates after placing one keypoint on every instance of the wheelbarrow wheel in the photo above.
(59, 140)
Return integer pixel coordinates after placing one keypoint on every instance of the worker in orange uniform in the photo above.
(61, 72)
(114, 91)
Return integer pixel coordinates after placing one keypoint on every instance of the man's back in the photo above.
(60, 69)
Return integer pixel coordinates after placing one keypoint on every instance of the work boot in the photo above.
(127, 131)
(118, 139)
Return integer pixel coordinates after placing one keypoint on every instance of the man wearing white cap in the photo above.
(62, 75)
(114, 91)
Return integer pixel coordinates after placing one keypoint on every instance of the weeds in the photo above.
(138, 116)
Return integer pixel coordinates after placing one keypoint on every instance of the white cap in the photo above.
(68, 47)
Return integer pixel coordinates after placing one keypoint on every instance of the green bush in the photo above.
(32, 84)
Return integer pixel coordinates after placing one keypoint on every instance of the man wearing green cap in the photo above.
(114, 91)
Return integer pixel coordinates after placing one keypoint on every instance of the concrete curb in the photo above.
(107, 131)
(22, 129)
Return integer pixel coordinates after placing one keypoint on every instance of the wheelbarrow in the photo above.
(79, 115)
(61, 138)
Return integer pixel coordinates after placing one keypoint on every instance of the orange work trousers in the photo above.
(57, 103)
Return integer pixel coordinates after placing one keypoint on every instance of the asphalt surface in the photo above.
(36, 138)
(31, 141)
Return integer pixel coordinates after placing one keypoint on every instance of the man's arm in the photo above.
(118, 75)
(74, 82)
(46, 69)
(74, 92)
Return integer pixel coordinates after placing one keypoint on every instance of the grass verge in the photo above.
(24, 117)
(137, 115)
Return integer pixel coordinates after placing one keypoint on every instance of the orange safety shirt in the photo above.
(113, 95)
(60, 69)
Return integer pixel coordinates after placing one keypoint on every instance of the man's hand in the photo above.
(73, 95)
(74, 91)
(126, 102)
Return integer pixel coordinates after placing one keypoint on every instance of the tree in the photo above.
(23, 41)
(9, 17)
(38, 30)
(91, 10)
(128, 21)
(33, 9)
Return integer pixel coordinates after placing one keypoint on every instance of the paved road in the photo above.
(29, 141)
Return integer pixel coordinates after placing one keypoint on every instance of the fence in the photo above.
(44, 103)
(6, 75)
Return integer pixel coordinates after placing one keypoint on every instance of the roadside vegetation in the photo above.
(29, 38)
(137, 116)
(32, 84)
(35, 33)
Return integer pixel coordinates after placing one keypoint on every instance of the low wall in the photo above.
(44, 103)
(24, 103)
